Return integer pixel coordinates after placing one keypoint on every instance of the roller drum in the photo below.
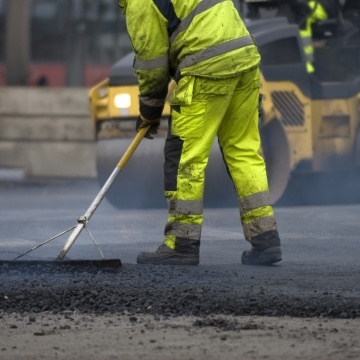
(141, 183)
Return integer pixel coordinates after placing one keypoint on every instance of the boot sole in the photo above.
(267, 257)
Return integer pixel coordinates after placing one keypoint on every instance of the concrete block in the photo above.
(52, 127)
(47, 132)
(44, 101)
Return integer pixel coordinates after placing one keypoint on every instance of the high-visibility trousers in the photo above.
(202, 109)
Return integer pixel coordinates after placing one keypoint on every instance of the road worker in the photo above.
(205, 47)
(307, 13)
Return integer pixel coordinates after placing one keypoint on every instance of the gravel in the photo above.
(170, 291)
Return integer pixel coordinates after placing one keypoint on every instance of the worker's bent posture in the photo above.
(206, 48)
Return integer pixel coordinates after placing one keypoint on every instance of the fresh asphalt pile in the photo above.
(175, 291)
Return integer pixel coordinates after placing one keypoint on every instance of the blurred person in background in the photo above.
(307, 13)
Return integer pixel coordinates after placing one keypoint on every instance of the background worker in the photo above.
(307, 13)
(206, 48)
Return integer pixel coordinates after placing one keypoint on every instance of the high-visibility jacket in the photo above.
(173, 38)
(317, 13)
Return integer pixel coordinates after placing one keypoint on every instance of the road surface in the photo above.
(307, 306)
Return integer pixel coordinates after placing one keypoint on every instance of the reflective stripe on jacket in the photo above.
(202, 38)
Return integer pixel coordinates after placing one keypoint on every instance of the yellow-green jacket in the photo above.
(174, 38)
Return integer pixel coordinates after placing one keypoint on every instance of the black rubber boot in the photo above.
(166, 256)
(257, 256)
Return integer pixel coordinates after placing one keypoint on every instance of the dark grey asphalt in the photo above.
(319, 274)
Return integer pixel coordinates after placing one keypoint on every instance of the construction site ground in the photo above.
(306, 307)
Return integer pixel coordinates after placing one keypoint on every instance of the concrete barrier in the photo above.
(47, 132)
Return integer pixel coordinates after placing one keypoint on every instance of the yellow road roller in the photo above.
(310, 124)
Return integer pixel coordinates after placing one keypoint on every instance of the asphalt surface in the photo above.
(318, 277)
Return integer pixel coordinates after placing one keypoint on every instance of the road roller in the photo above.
(310, 123)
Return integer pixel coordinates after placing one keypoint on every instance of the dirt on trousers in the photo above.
(150, 312)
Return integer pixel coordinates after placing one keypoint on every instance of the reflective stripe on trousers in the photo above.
(256, 214)
(201, 109)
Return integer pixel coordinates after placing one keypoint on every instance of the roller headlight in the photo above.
(122, 101)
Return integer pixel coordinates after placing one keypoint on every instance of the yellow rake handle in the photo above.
(83, 220)
(131, 149)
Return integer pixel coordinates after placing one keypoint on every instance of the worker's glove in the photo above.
(153, 126)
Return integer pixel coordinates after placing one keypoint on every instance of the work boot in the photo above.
(258, 256)
(166, 256)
